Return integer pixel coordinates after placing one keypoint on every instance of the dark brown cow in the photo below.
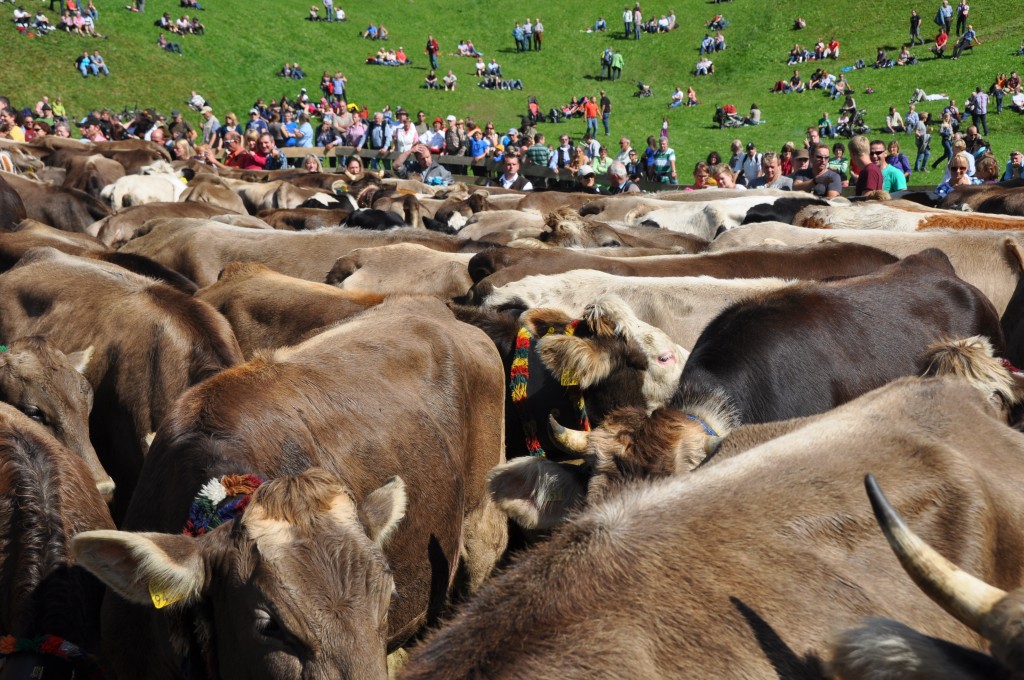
(744, 569)
(50, 388)
(46, 497)
(884, 648)
(402, 390)
(150, 343)
(269, 310)
(67, 209)
(1004, 198)
(12, 208)
(809, 347)
(201, 250)
(494, 268)
(613, 359)
(304, 219)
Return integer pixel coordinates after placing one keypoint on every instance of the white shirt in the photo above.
(403, 140)
(507, 182)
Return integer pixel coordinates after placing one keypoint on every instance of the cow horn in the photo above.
(570, 441)
(966, 597)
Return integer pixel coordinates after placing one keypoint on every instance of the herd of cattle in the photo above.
(292, 425)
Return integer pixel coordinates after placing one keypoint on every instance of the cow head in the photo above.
(567, 228)
(50, 388)
(298, 587)
(630, 446)
(883, 648)
(642, 361)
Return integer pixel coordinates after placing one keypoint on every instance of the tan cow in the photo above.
(408, 268)
(127, 223)
(745, 568)
(201, 249)
(680, 306)
(900, 216)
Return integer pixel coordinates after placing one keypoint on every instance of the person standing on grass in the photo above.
(627, 21)
(432, 50)
(638, 21)
(617, 64)
(979, 116)
(590, 113)
(962, 10)
(923, 139)
(538, 35)
(915, 28)
(606, 112)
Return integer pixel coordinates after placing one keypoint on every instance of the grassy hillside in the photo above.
(248, 41)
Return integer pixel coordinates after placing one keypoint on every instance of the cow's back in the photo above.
(744, 569)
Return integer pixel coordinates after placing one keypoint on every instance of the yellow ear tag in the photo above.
(160, 598)
(570, 378)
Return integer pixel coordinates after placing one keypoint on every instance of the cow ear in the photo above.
(576, 361)
(536, 492)
(80, 360)
(1015, 252)
(383, 508)
(145, 568)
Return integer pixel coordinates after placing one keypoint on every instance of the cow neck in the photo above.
(519, 377)
(219, 500)
(46, 656)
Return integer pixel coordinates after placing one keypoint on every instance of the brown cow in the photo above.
(743, 569)
(150, 343)
(269, 310)
(47, 495)
(403, 389)
(67, 209)
(568, 228)
(50, 388)
(494, 268)
(91, 173)
(304, 219)
(990, 260)
(209, 189)
(200, 250)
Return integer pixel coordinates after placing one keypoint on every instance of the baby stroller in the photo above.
(643, 89)
(555, 116)
(857, 123)
(726, 117)
(534, 115)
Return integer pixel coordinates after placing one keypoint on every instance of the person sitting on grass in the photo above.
(940, 43)
(164, 44)
(704, 67)
(450, 81)
(967, 41)
(431, 81)
(677, 98)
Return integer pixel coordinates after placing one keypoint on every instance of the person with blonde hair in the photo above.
(311, 164)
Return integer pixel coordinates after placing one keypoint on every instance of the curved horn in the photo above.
(966, 597)
(570, 441)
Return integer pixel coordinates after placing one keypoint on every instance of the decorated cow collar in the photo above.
(519, 378)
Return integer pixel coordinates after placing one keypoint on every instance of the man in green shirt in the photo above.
(665, 163)
(892, 177)
(538, 154)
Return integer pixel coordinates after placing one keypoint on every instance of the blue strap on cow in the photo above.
(707, 429)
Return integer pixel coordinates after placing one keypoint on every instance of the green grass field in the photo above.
(247, 42)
